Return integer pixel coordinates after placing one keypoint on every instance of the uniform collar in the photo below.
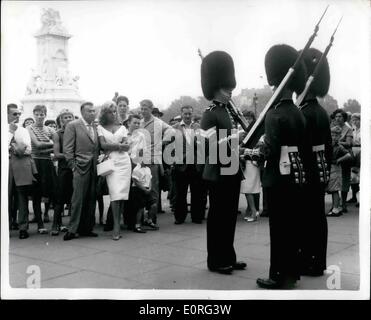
(219, 104)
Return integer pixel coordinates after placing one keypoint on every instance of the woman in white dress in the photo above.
(250, 186)
(113, 141)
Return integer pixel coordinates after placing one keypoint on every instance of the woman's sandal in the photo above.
(139, 230)
(334, 214)
(116, 237)
(42, 231)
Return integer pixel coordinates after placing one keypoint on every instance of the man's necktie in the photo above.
(11, 147)
(91, 131)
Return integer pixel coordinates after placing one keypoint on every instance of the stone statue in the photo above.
(51, 21)
(36, 84)
(39, 85)
(62, 77)
(75, 82)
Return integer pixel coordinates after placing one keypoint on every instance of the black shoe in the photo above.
(272, 284)
(107, 227)
(139, 230)
(352, 200)
(239, 265)
(23, 234)
(151, 225)
(69, 236)
(197, 221)
(89, 234)
(312, 273)
(222, 270)
(178, 222)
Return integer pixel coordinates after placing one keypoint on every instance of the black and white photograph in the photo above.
(185, 150)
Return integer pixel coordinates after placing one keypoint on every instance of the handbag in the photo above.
(102, 187)
(105, 167)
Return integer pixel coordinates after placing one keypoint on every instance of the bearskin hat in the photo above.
(217, 71)
(278, 61)
(321, 82)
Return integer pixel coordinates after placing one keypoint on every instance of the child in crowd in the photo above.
(141, 197)
(339, 155)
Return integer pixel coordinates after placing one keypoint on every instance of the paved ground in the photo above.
(172, 258)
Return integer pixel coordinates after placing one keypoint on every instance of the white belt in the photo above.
(320, 147)
(292, 149)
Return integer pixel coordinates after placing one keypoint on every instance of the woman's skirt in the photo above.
(251, 184)
(335, 182)
(46, 178)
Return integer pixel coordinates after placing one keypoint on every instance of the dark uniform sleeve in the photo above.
(272, 148)
(208, 120)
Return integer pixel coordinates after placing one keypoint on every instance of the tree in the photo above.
(329, 104)
(174, 109)
(352, 105)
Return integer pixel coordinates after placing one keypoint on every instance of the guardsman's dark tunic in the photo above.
(224, 192)
(317, 161)
(284, 126)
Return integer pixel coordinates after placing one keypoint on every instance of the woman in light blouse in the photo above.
(355, 174)
(346, 140)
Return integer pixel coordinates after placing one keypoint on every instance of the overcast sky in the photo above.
(148, 49)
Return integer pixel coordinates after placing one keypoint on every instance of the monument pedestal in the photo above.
(55, 100)
(50, 83)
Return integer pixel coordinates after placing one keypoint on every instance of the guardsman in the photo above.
(317, 161)
(218, 81)
(283, 174)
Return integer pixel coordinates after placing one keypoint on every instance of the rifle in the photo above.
(257, 129)
(309, 82)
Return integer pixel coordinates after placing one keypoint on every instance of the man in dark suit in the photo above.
(284, 127)
(81, 148)
(64, 185)
(218, 81)
(317, 161)
(188, 173)
(21, 169)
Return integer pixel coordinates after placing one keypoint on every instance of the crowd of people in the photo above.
(62, 155)
(71, 162)
(118, 135)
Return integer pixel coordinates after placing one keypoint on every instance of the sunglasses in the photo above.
(16, 114)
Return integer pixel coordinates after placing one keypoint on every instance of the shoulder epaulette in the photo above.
(277, 104)
(303, 106)
(211, 107)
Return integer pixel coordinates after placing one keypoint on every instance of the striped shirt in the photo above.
(43, 134)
